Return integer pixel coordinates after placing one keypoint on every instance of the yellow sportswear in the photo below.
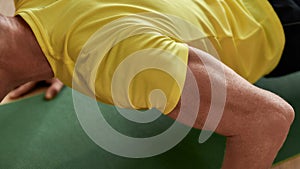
(130, 48)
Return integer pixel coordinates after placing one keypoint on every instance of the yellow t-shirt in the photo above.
(129, 48)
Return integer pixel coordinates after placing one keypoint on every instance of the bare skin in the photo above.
(255, 121)
(54, 86)
(19, 48)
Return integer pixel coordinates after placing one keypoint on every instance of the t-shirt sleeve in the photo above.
(144, 71)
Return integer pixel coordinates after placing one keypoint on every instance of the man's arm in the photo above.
(255, 121)
(7, 8)
(21, 58)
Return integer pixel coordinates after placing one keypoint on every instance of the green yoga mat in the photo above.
(47, 134)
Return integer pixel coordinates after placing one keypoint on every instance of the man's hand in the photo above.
(54, 88)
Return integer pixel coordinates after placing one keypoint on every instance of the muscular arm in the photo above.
(21, 58)
(7, 8)
(254, 120)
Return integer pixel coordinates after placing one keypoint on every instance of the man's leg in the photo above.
(288, 12)
(21, 58)
(255, 121)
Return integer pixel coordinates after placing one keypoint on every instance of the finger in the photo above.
(50, 81)
(54, 89)
(23, 89)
